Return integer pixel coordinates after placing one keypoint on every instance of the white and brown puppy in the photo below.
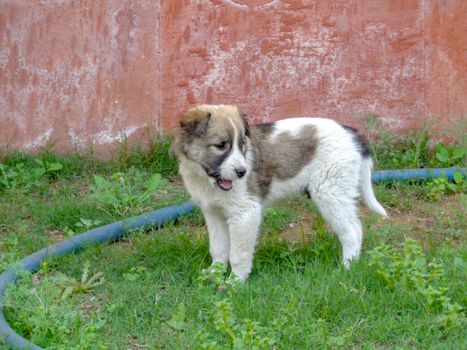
(234, 171)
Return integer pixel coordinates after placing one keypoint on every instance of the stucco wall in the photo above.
(80, 73)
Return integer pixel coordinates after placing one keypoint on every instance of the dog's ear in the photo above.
(195, 122)
(245, 117)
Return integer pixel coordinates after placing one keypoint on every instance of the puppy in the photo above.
(234, 172)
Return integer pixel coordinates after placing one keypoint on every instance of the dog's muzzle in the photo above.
(225, 185)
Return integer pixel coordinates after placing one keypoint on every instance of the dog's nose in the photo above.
(240, 172)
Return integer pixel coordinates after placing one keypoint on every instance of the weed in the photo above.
(276, 219)
(46, 168)
(19, 176)
(214, 274)
(449, 156)
(135, 273)
(126, 194)
(157, 158)
(9, 247)
(12, 176)
(16, 243)
(87, 224)
(324, 339)
(80, 226)
(43, 315)
(239, 334)
(394, 152)
(411, 150)
(85, 284)
(442, 186)
(22, 172)
(408, 268)
(177, 322)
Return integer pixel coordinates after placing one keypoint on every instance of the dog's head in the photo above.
(215, 137)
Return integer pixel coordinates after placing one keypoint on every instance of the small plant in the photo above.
(240, 334)
(126, 193)
(15, 176)
(214, 274)
(88, 224)
(157, 157)
(324, 339)
(442, 186)
(42, 315)
(135, 273)
(46, 168)
(448, 156)
(409, 269)
(177, 322)
(9, 249)
(8, 176)
(391, 151)
(23, 176)
(276, 219)
(85, 284)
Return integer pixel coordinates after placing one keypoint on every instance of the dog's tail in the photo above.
(366, 188)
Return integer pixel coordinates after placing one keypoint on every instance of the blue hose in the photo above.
(107, 233)
(415, 174)
(112, 232)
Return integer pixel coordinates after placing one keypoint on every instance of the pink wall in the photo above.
(80, 73)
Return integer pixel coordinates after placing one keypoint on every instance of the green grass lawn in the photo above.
(145, 291)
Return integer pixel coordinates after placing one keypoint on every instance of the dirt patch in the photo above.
(435, 222)
(301, 231)
(56, 235)
(428, 223)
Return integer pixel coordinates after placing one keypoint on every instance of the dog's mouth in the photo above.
(225, 185)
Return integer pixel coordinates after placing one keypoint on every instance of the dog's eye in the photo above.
(221, 145)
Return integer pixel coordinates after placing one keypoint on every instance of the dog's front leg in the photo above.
(219, 244)
(244, 229)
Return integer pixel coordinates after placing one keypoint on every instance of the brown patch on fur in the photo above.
(246, 126)
(281, 158)
(195, 121)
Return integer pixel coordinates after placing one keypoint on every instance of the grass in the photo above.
(143, 292)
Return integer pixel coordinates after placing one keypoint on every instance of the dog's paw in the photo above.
(214, 273)
(233, 280)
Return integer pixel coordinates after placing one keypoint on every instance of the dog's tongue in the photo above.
(225, 184)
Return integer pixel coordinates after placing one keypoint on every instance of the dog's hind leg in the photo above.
(340, 212)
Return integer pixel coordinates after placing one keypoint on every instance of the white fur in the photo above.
(336, 177)
(234, 161)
